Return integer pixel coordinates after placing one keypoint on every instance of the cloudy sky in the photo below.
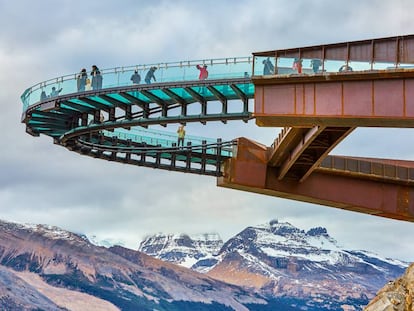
(44, 183)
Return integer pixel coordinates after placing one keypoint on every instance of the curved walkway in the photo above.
(112, 122)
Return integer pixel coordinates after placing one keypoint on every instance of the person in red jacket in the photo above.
(203, 72)
(297, 65)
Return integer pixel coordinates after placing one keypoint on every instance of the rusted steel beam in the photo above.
(324, 143)
(248, 171)
(399, 49)
(298, 151)
(303, 143)
(367, 101)
(393, 171)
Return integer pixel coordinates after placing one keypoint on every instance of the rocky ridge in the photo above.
(280, 260)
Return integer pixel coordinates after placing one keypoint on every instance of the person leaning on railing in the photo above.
(150, 75)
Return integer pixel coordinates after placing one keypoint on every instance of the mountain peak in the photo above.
(184, 249)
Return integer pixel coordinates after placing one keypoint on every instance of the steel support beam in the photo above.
(249, 171)
(373, 98)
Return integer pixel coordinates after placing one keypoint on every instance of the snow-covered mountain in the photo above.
(197, 252)
(279, 260)
(47, 268)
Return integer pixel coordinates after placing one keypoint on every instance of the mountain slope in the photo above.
(122, 278)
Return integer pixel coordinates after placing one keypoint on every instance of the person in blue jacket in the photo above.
(150, 75)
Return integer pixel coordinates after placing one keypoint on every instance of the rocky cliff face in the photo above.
(282, 261)
(397, 295)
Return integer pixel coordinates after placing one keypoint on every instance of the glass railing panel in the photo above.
(383, 66)
(156, 137)
(285, 65)
(331, 66)
(360, 66)
(186, 70)
(229, 69)
(67, 86)
(405, 66)
(110, 79)
(168, 73)
(125, 75)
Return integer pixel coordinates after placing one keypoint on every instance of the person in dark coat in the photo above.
(136, 78)
(315, 64)
(81, 80)
(96, 78)
(43, 95)
(150, 75)
(268, 68)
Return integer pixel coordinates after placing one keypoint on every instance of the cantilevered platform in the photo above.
(317, 94)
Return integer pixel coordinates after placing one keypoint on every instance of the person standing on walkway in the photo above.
(315, 64)
(268, 68)
(181, 135)
(135, 78)
(81, 80)
(96, 78)
(297, 65)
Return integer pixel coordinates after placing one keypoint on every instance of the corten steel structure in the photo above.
(317, 107)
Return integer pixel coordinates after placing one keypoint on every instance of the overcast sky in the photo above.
(44, 183)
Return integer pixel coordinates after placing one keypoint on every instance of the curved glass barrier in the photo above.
(222, 68)
(264, 66)
(166, 139)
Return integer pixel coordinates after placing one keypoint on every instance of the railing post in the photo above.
(114, 143)
(203, 155)
(173, 155)
(218, 157)
(128, 153)
(188, 154)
